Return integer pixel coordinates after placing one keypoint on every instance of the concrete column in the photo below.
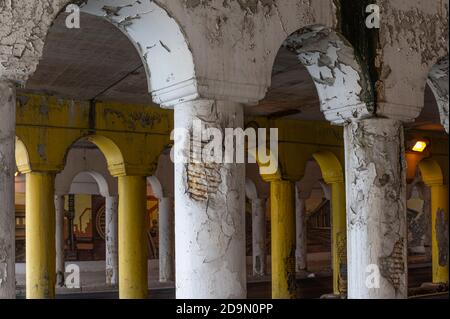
(439, 233)
(427, 211)
(166, 240)
(301, 253)
(209, 209)
(339, 238)
(133, 256)
(259, 236)
(40, 236)
(7, 206)
(111, 234)
(282, 199)
(376, 209)
(60, 244)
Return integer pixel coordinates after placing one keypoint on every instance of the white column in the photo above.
(7, 205)
(259, 236)
(166, 240)
(376, 209)
(209, 211)
(112, 263)
(60, 261)
(301, 253)
(427, 211)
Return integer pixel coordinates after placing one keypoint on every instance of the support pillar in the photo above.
(60, 244)
(376, 209)
(111, 234)
(7, 206)
(209, 209)
(301, 252)
(40, 236)
(282, 196)
(439, 233)
(259, 236)
(339, 238)
(133, 256)
(166, 240)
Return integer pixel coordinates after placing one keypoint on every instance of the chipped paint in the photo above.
(342, 86)
(376, 206)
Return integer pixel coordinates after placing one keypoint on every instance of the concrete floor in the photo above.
(308, 288)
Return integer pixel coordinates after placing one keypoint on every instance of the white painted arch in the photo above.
(83, 164)
(160, 43)
(342, 83)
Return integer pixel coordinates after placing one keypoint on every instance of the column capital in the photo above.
(355, 113)
(209, 89)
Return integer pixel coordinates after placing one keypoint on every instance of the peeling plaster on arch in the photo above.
(164, 51)
(235, 42)
(438, 82)
(342, 85)
(228, 47)
(413, 35)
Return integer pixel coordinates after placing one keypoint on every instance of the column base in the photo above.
(333, 296)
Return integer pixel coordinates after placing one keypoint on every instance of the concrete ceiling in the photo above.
(98, 62)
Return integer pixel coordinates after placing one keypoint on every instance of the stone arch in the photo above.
(330, 166)
(438, 82)
(342, 82)
(100, 180)
(164, 51)
(90, 162)
(114, 156)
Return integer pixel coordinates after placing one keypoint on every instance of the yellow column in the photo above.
(282, 197)
(40, 236)
(432, 177)
(132, 238)
(439, 221)
(333, 175)
(339, 238)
